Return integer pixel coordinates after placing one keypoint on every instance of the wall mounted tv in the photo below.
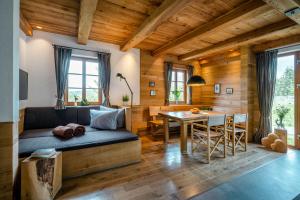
(23, 85)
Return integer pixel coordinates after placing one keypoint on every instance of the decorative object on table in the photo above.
(196, 81)
(281, 111)
(41, 178)
(195, 110)
(176, 95)
(84, 102)
(125, 99)
(229, 90)
(151, 84)
(76, 99)
(122, 77)
(276, 141)
(152, 93)
(217, 88)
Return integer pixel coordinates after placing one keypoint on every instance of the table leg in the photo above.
(166, 129)
(183, 137)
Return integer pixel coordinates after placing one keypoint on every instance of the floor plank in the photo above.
(165, 174)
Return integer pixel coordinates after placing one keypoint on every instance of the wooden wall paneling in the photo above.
(9, 158)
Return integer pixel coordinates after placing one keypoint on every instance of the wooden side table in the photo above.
(41, 178)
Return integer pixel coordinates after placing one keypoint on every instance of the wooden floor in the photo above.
(164, 174)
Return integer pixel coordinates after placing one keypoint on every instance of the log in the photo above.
(41, 178)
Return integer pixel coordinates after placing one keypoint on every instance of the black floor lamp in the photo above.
(122, 77)
(131, 102)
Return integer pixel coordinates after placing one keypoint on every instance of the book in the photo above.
(43, 153)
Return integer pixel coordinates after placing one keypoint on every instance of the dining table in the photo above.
(184, 118)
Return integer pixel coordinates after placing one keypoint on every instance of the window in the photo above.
(178, 87)
(83, 81)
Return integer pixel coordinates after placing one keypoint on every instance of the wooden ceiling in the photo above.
(190, 29)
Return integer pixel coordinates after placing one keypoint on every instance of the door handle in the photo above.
(298, 85)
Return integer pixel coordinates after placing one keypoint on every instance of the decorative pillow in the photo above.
(120, 117)
(104, 119)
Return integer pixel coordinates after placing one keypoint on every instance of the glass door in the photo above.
(284, 99)
(297, 100)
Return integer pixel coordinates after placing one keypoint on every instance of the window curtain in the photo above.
(266, 69)
(62, 57)
(190, 89)
(105, 71)
(168, 79)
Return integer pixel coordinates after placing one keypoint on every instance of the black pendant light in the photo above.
(196, 81)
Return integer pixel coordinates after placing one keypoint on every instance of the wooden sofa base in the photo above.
(94, 159)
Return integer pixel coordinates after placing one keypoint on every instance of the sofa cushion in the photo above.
(104, 119)
(83, 113)
(48, 117)
(32, 140)
(120, 117)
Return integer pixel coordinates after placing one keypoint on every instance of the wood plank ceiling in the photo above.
(192, 30)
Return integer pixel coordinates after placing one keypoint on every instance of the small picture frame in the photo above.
(152, 93)
(151, 84)
(229, 90)
(217, 88)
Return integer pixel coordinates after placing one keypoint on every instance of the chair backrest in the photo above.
(239, 118)
(154, 110)
(216, 120)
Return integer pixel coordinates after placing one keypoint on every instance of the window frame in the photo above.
(184, 70)
(84, 76)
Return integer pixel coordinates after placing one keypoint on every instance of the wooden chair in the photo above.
(202, 134)
(237, 132)
(156, 125)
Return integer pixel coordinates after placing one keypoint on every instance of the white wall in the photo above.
(9, 60)
(39, 61)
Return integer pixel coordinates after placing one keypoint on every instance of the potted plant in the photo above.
(76, 99)
(176, 95)
(281, 111)
(84, 102)
(125, 99)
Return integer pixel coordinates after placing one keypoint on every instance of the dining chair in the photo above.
(210, 133)
(237, 132)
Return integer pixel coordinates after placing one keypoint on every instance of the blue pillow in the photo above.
(120, 117)
(104, 119)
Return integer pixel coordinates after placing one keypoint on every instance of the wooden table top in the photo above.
(188, 115)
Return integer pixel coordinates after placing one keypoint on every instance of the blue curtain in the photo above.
(62, 57)
(105, 71)
(266, 69)
(168, 80)
(190, 89)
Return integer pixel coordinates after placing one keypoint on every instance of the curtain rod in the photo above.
(283, 47)
(80, 49)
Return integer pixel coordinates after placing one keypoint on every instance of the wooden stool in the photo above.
(41, 178)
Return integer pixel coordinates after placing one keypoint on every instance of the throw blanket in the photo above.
(63, 132)
(78, 130)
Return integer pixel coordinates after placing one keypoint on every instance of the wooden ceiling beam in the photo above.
(239, 40)
(286, 5)
(216, 24)
(167, 9)
(284, 42)
(86, 16)
(24, 25)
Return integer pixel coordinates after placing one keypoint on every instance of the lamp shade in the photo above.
(195, 81)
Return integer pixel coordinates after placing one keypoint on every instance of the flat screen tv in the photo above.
(23, 85)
